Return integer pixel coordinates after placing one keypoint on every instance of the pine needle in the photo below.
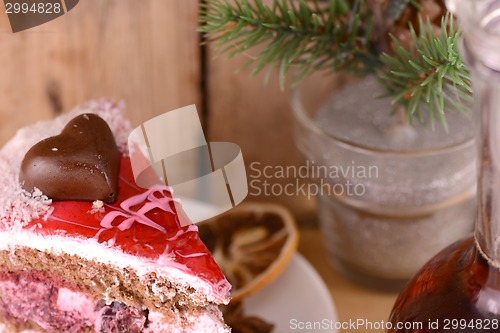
(420, 78)
(305, 36)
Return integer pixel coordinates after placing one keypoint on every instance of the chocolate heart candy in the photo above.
(81, 163)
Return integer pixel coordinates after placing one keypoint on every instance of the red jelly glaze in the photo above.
(180, 244)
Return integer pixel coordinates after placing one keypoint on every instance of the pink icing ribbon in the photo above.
(139, 216)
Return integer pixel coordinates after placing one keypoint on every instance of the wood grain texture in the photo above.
(147, 53)
(143, 52)
(246, 111)
(257, 117)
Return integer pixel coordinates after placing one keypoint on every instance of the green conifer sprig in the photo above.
(306, 36)
(430, 76)
(339, 35)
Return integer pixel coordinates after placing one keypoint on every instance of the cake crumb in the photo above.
(97, 207)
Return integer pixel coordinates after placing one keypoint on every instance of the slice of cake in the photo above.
(83, 249)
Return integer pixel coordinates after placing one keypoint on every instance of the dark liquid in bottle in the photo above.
(457, 291)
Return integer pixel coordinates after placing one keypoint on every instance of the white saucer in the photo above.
(296, 299)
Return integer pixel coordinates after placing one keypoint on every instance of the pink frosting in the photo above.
(139, 216)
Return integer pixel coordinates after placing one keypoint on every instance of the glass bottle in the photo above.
(459, 289)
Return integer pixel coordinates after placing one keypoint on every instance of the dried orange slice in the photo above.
(252, 244)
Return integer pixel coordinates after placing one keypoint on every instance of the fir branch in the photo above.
(304, 35)
(430, 77)
(310, 35)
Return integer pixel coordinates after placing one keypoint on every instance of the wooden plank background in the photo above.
(143, 52)
(147, 53)
(243, 108)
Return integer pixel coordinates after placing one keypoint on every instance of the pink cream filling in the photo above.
(26, 298)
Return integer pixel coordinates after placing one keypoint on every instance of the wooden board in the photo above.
(145, 52)
(246, 111)
(258, 118)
